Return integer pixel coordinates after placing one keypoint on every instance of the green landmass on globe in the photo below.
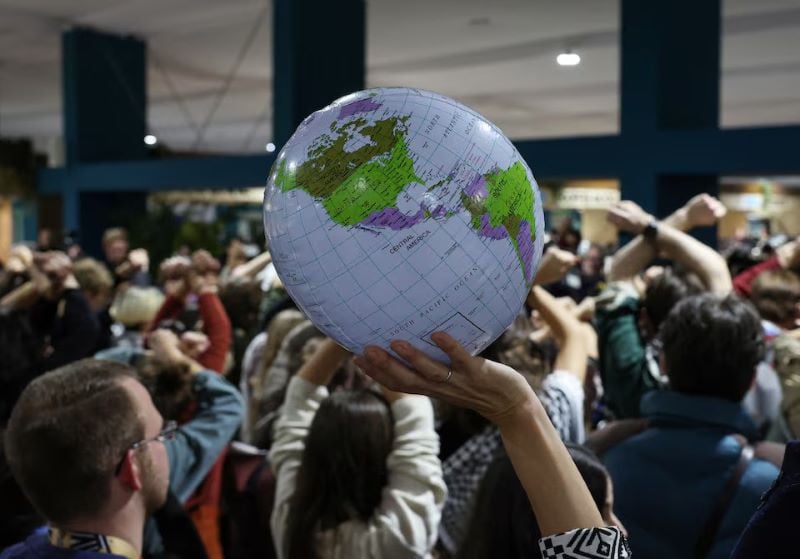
(361, 187)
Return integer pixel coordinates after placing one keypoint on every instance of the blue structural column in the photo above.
(105, 119)
(319, 55)
(670, 80)
(639, 84)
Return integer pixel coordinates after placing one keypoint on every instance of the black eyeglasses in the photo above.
(166, 434)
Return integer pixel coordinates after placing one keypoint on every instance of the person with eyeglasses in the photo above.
(97, 460)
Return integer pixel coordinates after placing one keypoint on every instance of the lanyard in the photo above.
(86, 541)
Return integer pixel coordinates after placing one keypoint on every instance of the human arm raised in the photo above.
(305, 393)
(701, 210)
(554, 266)
(217, 326)
(50, 273)
(787, 257)
(556, 491)
(690, 253)
(20, 298)
(220, 410)
(568, 331)
(250, 269)
(321, 366)
(409, 512)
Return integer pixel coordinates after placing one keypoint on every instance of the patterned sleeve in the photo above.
(562, 398)
(591, 543)
(463, 471)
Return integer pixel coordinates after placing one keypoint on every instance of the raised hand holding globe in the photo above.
(395, 213)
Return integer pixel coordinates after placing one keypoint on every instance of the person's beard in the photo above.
(154, 485)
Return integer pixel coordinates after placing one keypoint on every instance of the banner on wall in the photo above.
(743, 202)
(576, 198)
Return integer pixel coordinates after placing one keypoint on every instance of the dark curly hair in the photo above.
(711, 346)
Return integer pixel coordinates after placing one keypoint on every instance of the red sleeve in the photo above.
(743, 283)
(217, 327)
(170, 309)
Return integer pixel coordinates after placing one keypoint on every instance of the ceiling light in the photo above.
(480, 21)
(270, 147)
(568, 59)
(150, 140)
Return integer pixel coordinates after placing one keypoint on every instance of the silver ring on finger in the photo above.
(447, 378)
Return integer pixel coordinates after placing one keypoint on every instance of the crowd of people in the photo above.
(644, 403)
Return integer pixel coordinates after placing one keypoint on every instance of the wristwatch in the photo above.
(650, 232)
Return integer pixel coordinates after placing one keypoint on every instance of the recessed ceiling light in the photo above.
(568, 59)
(270, 147)
(150, 140)
(477, 21)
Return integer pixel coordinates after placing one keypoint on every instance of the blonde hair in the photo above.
(114, 234)
(92, 276)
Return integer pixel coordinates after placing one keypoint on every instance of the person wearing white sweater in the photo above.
(357, 473)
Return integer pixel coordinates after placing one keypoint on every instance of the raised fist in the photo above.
(629, 217)
(555, 265)
(703, 210)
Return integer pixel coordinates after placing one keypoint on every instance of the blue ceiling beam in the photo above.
(728, 151)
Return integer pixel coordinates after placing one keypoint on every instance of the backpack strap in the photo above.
(714, 520)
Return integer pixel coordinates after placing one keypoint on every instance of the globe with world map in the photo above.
(396, 213)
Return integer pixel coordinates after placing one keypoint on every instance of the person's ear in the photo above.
(130, 475)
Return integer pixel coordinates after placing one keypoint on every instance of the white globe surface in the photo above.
(396, 213)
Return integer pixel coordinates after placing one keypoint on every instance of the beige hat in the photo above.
(136, 306)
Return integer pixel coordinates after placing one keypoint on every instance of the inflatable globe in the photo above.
(396, 213)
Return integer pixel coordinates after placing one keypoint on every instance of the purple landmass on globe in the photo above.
(394, 219)
(487, 230)
(360, 106)
(525, 247)
(477, 188)
(439, 211)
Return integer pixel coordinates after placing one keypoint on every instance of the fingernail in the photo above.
(372, 354)
(401, 347)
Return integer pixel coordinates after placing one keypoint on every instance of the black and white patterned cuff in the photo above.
(591, 543)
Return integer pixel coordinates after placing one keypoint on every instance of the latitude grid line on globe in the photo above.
(315, 302)
(422, 275)
(426, 159)
(459, 157)
(497, 135)
(467, 235)
(320, 308)
(333, 249)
